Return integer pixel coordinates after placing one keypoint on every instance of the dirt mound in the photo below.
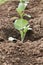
(22, 54)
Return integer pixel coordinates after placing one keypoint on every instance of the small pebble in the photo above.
(12, 39)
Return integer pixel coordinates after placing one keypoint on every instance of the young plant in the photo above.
(22, 24)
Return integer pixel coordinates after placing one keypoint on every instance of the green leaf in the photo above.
(20, 24)
(21, 7)
(2, 1)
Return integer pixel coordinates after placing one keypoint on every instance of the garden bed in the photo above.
(17, 53)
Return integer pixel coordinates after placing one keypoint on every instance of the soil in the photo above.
(29, 52)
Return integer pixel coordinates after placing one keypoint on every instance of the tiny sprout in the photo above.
(22, 24)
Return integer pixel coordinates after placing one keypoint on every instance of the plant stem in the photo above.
(22, 35)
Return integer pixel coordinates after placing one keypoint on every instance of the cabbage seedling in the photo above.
(22, 24)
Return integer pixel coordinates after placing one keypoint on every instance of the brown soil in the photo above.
(17, 53)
